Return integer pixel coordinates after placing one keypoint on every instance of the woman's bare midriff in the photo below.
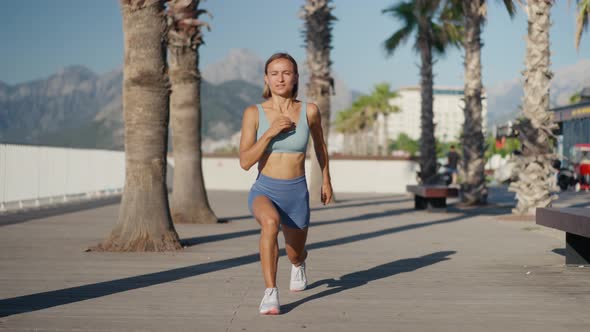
(281, 165)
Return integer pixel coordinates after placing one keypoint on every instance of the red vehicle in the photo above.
(581, 159)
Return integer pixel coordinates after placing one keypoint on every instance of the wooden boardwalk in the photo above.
(375, 264)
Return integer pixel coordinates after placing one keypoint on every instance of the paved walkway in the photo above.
(375, 264)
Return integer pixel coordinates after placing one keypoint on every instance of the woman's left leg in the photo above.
(295, 239)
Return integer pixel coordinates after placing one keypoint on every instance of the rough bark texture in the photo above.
(536, 182)
(144, 217)
(318, 18)
(427, 142)
(473, 185)
(189, 197)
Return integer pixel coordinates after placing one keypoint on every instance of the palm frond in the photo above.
(403, 12)
(582, 20)
(510, 7)
(395, 40)
(185, 29)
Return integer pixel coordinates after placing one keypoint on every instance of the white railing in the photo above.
(29, 174)
(350, 176)
(34, 175)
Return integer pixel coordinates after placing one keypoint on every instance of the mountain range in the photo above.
(504, 99)
(76, 107)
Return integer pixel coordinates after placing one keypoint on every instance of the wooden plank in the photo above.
(570, 220)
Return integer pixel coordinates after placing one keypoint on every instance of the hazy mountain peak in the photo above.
(242, 54)
(76, 70)
(505, 98)
(238, 64)
(77, 107)
(244, 65)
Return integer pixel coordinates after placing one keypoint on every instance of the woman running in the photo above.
(275, 135)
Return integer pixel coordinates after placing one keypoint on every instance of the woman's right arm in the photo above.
(251, 150)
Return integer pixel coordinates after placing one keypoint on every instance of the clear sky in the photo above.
(38, 37)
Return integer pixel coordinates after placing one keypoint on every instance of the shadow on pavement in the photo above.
(559, 251)
(226, 236)
(581, 205)
(338, 205)
(44, 300)
(364, 198)
(55, 210)
(464, 211)
(361, 278)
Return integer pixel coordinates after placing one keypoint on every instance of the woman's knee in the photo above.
(270, 225)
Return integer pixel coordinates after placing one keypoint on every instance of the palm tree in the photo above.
(536, 182)
(425, 19)
(576, 98)
(317, 32)
(189, 198)
(351, 123)
(365, 118)
(582, 19)
(473, 141)
(344, 125)
(380, 99)
(368, 108)
(144, 216)
(348, 122)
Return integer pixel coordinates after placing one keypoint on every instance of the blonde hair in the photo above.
(266, 91)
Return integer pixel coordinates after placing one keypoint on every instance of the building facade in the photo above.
(448, 114)
(448, 106)
(573, 126)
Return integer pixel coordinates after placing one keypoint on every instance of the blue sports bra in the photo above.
(291, 142)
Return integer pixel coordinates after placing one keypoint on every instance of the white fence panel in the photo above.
(355, 176)
(37, 172)
(21, 173)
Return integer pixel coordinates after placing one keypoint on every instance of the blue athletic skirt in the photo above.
(290, 197)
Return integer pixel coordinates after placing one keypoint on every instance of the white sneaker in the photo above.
(298, 278)
(270, 302)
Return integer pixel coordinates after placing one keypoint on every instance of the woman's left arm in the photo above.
(321, 151)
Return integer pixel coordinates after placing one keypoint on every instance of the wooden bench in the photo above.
(431, 196)
(575, 222)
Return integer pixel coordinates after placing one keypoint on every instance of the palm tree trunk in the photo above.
(367, 142)
(357, 143)
(427, 142)
(144, 216)
(363, 142)
(375, 137)
(189, 197)
(536, 183)
(473, 186)
(348, 143)
(385, 150)
(318, 37)
(322, 100)
(364, 147)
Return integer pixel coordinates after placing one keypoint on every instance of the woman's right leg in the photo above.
(267, 216)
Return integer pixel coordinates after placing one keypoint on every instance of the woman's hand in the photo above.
(281, 123)
(326, 193)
